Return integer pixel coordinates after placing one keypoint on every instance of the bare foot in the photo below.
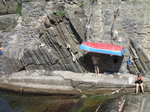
(100, 75)
(94, 75)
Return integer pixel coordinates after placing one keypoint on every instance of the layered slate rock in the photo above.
(8, 7)
(42, 45)
(48, 34)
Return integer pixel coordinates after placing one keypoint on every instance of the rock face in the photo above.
(8, 22)
(133, 103)
(8, 6)
(48, 34)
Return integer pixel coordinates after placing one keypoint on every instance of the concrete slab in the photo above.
(62, 81)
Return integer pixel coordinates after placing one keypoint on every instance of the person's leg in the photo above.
(142, 88)
(137, 87)
(97, 70)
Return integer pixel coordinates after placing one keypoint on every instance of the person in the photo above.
(139, 83)
(1, 48)
(96, 62)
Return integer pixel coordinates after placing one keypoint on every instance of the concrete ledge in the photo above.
(63, 82)
(50, 80)
(38, 89)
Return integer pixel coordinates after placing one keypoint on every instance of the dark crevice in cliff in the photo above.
(75, 32)
(21, 69)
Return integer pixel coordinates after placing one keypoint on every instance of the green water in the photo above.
(38, 103)
(51, 103)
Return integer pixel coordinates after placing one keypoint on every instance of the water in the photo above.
(15, 102)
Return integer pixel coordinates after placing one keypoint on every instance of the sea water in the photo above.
(16, 102)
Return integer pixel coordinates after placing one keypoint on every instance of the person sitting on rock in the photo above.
(139, 83)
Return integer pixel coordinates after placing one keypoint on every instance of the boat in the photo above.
(102, 48)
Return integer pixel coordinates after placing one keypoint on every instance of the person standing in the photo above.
(139, 83)
(96, 62)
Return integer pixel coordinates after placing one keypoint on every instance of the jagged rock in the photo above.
(46, 40)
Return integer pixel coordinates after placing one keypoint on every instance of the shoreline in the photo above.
(66, 82)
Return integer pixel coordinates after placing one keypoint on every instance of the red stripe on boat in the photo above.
(105, 46)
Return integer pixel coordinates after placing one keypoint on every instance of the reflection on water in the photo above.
(15, 102)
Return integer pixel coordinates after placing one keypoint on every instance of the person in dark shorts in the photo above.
(139, 83)
(96, 62)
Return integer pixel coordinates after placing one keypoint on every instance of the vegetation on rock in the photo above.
(19, 8)
(61, 13)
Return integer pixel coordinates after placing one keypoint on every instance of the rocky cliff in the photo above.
(47, 34)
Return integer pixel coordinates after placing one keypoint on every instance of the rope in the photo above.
(98, 108)
(117, 91)
(83, 95)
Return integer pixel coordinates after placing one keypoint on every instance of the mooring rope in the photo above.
(83, 95)
(117, 91)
